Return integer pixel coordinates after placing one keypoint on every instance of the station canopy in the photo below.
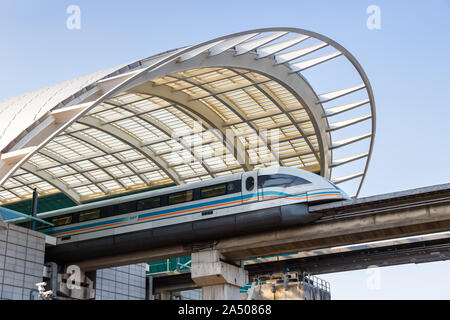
(253, 99)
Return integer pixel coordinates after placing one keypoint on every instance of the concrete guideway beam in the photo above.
(335, 232)
(218, 279)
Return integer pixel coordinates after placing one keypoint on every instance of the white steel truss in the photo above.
(228, 105)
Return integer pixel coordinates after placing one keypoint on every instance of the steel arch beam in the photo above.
(168, 132)
(58, 159)
(54, 182)
(99, 146)
(229, 104)
(154, 65)
(294, 83)
(132, 142)
(198, 111)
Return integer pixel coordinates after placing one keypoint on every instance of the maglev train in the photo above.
(240, 203)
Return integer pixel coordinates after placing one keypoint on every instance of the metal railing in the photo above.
(313, 287)
(170, 265)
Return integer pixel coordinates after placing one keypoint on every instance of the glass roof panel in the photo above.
(95, 156)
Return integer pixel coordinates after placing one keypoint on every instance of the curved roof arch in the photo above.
(227, 105)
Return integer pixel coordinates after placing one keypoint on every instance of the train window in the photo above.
(231, 187)
(234, 186)
(180, 197)
(60, 221)
(151, 203)
(281, 180)
(89, 215)
(250, 183)
(213, 191)
(125, 207)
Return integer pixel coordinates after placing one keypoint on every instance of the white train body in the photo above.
(234, 204)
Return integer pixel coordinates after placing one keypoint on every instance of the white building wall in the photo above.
(121, 283)
(21, 262)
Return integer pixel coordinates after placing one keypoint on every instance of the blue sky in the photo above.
(407, 62)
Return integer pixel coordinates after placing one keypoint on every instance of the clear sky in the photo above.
(407, 62)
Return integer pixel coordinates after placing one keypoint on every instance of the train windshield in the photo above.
(280, 180)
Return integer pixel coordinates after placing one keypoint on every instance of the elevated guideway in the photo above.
(422, 249)
(218, 264)
(390, 216)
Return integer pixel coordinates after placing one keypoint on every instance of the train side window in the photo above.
(107, 211)
(234, 186)
(197, 194)
(213, 191)
(181, 197)
(250, 183)
(60, 221)
(150, 203)
(125, 207)
(281, 180)
(231, 188)
(89, 215)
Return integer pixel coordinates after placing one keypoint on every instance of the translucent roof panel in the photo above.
(229, 105)
(99, 160)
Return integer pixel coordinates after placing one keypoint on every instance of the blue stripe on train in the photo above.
(214, 202)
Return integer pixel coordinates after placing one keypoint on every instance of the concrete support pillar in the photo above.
(165, 295)
(219, 280)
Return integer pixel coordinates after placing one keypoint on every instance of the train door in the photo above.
(249, 186)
